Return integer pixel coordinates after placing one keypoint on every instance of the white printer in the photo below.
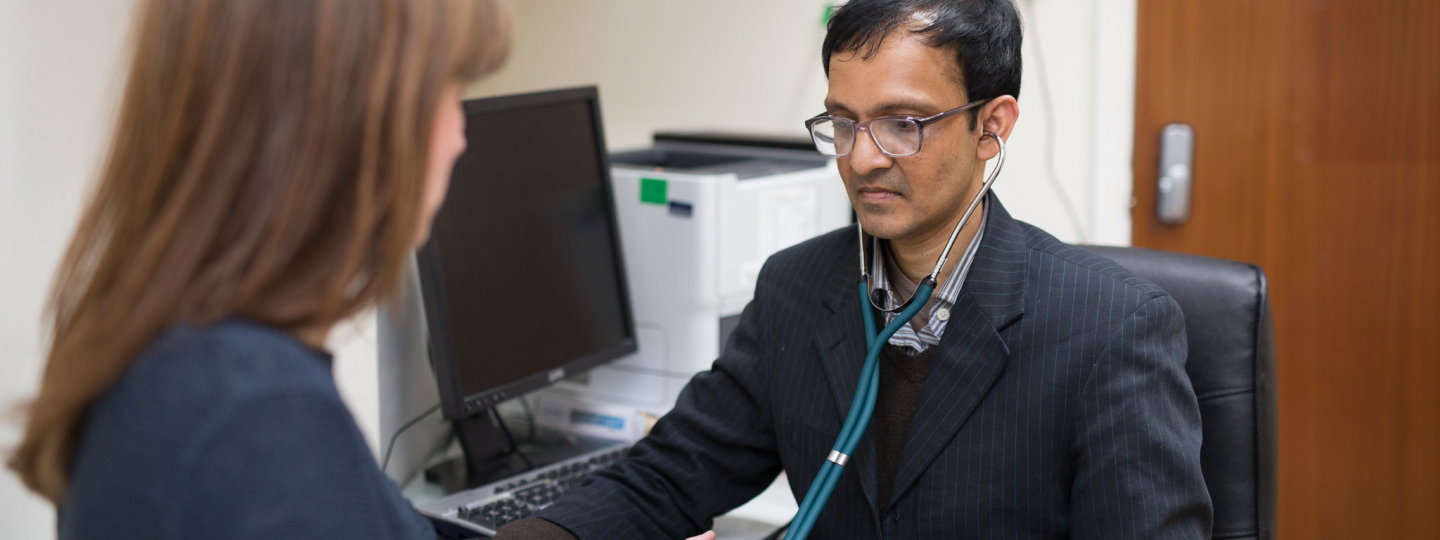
(699, 215)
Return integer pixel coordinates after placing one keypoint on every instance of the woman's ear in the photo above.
(998, 117)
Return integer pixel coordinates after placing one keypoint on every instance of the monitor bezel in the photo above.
(454, 404)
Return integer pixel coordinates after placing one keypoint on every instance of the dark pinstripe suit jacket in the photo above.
(1057, 407)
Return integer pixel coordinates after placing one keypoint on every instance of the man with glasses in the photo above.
(1040, 392)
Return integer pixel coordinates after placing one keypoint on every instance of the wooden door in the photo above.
(1317, 156)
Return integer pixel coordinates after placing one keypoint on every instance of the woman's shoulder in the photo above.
(246, 344)
(210, 413)
(228, 359)
(190, 376)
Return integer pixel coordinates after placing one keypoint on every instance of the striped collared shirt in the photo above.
(941, 302)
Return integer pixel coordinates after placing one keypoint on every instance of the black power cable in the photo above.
(514, 445)
(1050, 172)
(385, 462)
(529, 416)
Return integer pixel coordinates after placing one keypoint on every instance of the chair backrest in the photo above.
(1232, 367)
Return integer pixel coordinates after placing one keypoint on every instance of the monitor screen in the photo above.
(523, 276)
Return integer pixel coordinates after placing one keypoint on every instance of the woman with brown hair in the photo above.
(273, 164)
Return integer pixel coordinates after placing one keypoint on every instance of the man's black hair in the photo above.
(984, 34)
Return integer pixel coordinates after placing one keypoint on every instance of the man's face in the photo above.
(907, 197)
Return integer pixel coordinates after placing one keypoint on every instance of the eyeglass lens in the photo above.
(835, 137)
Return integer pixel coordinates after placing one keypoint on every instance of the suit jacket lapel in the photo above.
(970, 358)
(971, 355)
(841, 344)
(839, 338)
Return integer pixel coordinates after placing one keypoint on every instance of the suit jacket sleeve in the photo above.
(714, 451)
(1137, 459)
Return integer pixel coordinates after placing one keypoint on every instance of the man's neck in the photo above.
(916, 256)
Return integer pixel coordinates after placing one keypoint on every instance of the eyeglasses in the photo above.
(895, 136)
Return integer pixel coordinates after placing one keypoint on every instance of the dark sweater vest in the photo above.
(902, 379)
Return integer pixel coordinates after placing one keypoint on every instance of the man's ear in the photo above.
(998, 117)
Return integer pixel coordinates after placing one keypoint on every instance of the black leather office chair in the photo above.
(1232, 366)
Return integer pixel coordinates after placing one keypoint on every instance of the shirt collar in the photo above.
(947, 291)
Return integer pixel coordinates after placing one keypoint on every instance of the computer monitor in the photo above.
(523, 278)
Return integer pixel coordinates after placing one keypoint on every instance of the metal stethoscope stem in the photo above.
(863, 404)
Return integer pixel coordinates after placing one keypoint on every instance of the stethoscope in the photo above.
(864, 402)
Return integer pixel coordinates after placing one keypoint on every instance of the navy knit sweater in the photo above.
(229, 431)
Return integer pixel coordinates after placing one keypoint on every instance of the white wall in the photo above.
(1062, 32)
(58, 78)
(742, 65)
(1114, 125)
(753, 65)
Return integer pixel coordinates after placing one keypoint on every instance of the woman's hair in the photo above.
(267, 163)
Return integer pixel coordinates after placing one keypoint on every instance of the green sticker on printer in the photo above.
(653, 191)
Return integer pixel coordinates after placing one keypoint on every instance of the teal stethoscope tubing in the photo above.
(863, 404)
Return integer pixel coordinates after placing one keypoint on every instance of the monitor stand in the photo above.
(489, 457)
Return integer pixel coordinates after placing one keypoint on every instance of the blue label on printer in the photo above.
(681, 209)
(602, 420)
